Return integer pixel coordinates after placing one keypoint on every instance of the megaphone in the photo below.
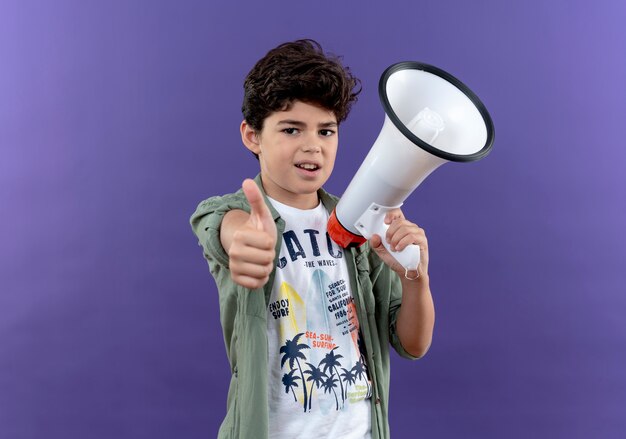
(431, 118)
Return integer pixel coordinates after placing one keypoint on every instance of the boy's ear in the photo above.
(249, 137)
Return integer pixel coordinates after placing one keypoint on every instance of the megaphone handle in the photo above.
(373, 222)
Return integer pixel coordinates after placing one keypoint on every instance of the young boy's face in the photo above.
(296, 150)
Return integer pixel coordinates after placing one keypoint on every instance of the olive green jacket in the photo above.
(243, 313)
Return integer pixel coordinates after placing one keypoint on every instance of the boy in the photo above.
(307, 325)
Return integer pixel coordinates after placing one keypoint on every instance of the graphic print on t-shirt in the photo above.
(310, 354)
(316, 357)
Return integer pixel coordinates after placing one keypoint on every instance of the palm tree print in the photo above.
(360, 372)
(331, 384)
(290, 382)
(348, 377)
(325, 375)
(331, 361)
(292, 352)
(317, 377)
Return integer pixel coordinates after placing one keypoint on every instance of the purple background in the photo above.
(118, 117)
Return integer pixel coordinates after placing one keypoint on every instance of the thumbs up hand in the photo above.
(250, 240)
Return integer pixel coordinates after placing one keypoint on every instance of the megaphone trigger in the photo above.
(372, 222)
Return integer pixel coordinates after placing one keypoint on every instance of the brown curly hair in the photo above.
(298, 71)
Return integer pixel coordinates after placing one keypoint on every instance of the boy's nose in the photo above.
(311, 147)
(311, 144)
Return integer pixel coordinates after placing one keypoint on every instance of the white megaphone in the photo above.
(431, 118)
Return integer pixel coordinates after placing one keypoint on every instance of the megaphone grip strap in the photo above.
(406, 274)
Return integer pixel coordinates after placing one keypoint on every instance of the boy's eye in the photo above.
(326, 133)
(290, 130)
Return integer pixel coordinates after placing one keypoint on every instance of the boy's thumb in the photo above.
(376, 243)
(258, 208)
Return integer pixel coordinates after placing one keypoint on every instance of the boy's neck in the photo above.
(299, 201)
(310, 201)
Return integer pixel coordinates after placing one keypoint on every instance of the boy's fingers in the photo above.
(254, 270)
(392, 215)
(258, 239)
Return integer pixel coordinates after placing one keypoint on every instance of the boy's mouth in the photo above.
(308, 166)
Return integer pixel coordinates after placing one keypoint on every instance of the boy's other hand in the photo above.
(401, 233)
(252, 247)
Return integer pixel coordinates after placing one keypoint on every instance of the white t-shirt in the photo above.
(318, 384)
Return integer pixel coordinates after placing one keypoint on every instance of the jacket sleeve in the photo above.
(206, 222)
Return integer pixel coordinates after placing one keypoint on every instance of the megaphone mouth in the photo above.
(402, 127)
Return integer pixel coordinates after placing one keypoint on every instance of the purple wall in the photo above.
(117, 118)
